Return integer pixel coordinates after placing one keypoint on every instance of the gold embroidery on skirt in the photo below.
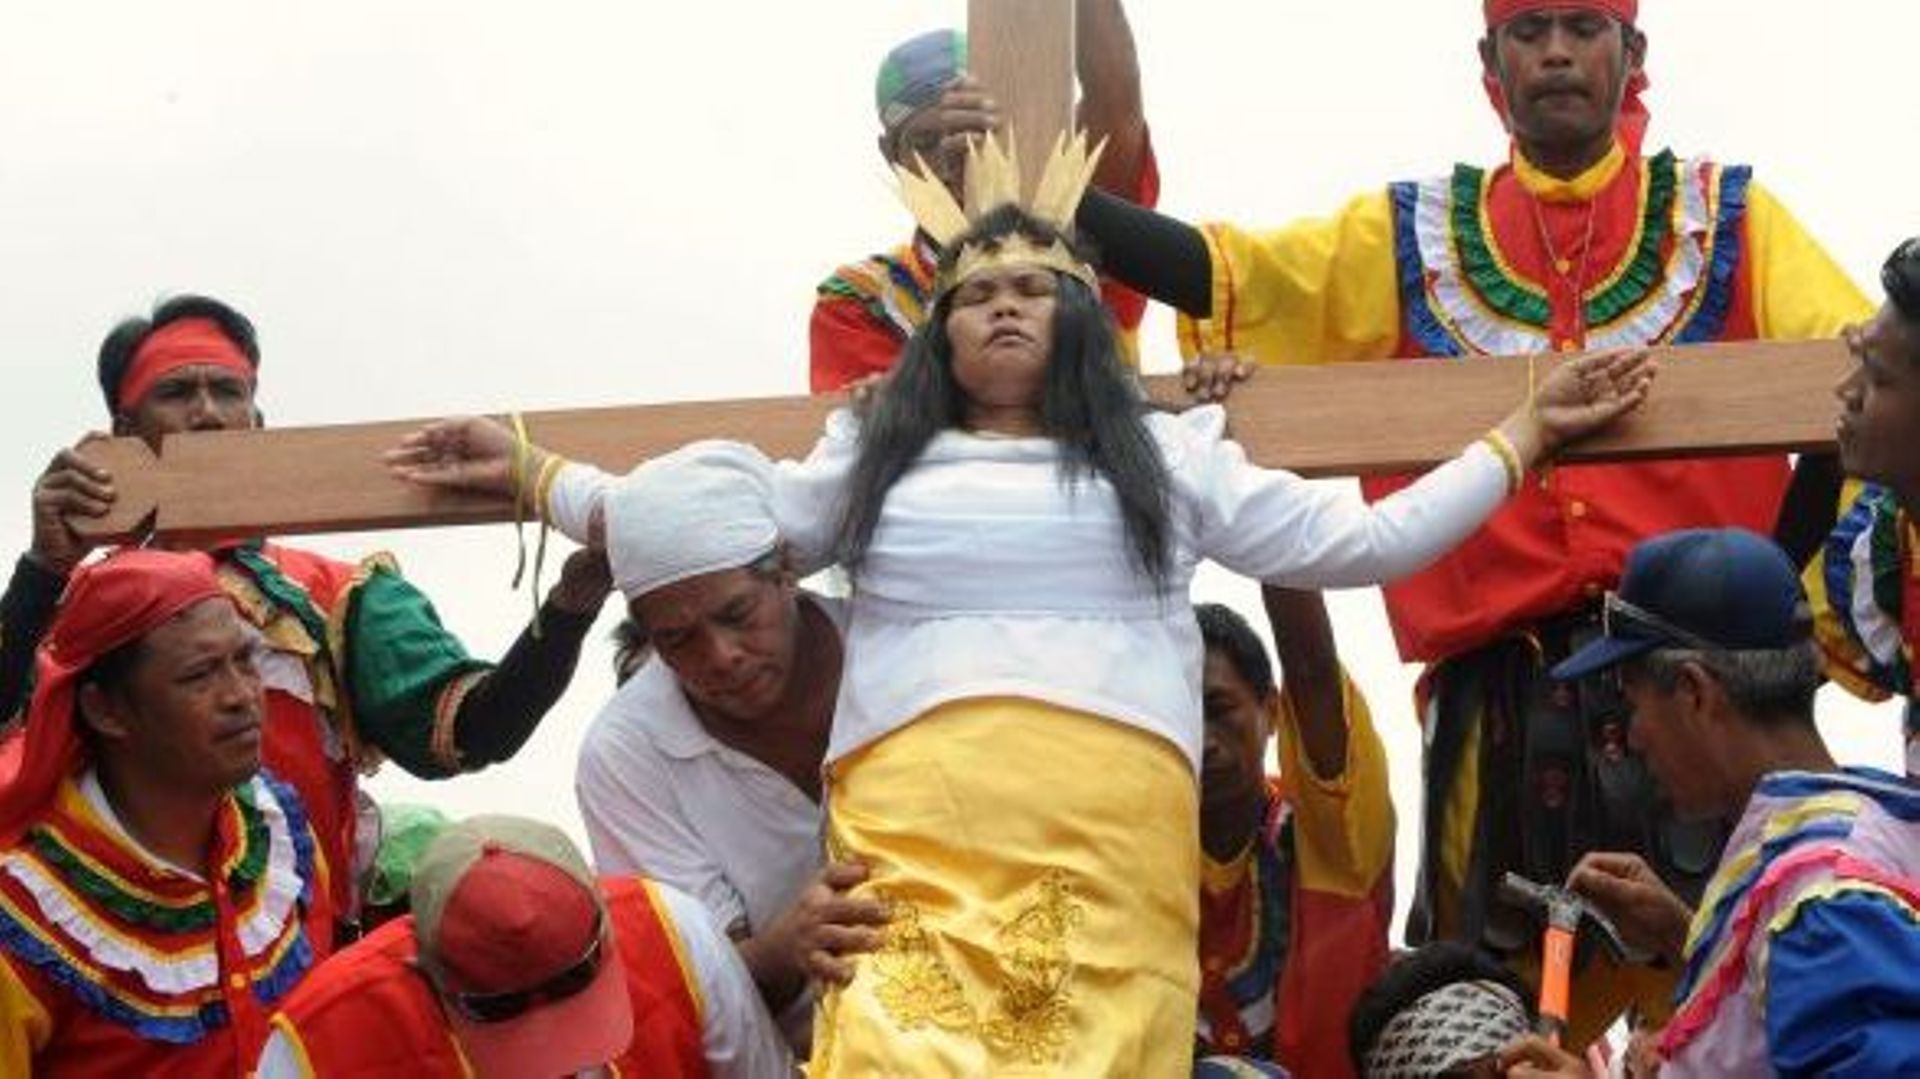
(916, 986)
(1031, 1016)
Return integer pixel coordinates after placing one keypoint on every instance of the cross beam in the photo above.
(1337, 420)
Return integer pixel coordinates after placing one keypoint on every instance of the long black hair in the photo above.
(1091, 405)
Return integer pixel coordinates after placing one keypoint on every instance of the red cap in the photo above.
(505, 904)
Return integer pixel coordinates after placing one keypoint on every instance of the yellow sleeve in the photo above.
(25, 1025)
(1846, 663)
(1316, 291)
(1343, 826)
(1799, 292)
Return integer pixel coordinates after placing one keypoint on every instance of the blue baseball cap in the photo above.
(1710, 589)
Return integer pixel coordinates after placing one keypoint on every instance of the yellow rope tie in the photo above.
(1545, 470)
(518, 467)
(516, 478)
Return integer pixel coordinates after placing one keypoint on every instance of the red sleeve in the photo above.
(1128, 306)
(847, 344)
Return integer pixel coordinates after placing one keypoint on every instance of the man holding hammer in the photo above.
(1804, 955)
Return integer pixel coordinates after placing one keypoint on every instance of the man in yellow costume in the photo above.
(1579, 242)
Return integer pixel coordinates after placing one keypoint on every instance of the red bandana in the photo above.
(187, 342)
(113, 602)
(1499, 11)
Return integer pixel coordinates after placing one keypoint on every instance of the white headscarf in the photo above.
(704, 507)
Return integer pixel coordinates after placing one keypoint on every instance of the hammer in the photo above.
(1566, 914)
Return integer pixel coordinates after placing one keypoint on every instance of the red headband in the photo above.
(1499, 11)
(110, 603)
(186, 342)
(1631, 123)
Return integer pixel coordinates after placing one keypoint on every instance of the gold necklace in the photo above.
(1563, 267)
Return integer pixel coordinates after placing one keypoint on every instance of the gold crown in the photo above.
(994, 180)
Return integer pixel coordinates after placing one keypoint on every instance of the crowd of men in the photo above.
(1619, 694)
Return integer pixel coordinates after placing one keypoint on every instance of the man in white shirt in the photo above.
(703, 772)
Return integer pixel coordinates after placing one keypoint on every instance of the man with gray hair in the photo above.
(1804, 957)
(703, 771)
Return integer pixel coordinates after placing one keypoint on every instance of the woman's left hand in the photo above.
(1585, 395)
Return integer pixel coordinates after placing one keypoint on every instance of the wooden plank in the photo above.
(1022, 52)
(1349, 419)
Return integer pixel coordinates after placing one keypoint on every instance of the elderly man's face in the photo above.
(729, 637)
(1879, 425)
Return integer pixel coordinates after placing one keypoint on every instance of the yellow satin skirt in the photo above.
(1043, 869)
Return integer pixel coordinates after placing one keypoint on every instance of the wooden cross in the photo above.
(1348, 419)
(1336, 420)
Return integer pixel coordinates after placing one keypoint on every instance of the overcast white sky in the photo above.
(432, 207)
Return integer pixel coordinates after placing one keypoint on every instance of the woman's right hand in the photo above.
(466, 453)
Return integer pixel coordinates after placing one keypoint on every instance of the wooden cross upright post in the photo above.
(1022, 51)
(1348, 419)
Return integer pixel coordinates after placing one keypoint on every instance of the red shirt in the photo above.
(1563, 539)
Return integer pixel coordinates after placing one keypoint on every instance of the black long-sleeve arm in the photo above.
(500, 713)
(26, 610)
(1155, 255)
(1811, 507)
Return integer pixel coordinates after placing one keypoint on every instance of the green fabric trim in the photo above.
(1889, 584)
(192, 918)
(399, 658)
(195, 917)
(1647, 270)
(285, 594)
(1511, 298)
(840, 289)
(1520, 301)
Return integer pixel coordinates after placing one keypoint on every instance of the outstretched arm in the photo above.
(1274, 526)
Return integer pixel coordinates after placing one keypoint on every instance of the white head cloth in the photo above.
(704, 507)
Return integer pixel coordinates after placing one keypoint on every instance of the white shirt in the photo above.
(988, 575)
(662, 797)
(736, 1035)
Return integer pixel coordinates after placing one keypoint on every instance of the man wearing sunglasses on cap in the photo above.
(517, 961)
(1865, 581)
(1804, 955)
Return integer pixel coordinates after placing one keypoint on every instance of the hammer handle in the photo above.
(1556, 973)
